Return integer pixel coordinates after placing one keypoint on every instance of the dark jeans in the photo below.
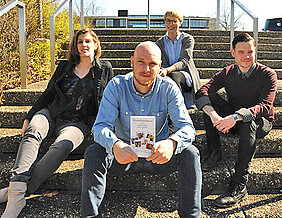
(98, 163)
(186, 90)
(180, 80)
(248, 133)
(68, 137)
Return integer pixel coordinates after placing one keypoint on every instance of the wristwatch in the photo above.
(235, 117)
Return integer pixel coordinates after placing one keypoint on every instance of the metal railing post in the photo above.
(52, 43)
(255, 20)
(22, 36)
(232, 23)
(52, 30)
(148, 19)
(70, 20)
(218, 15)
(22, 39)
(81, 14)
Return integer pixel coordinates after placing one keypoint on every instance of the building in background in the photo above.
(123, 20)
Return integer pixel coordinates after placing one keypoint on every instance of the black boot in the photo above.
(209, 163)
(235, 194)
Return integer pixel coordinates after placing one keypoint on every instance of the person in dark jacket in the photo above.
(250, 88)
(177, 57)
(66, 110)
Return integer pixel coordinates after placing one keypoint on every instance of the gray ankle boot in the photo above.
(16, 200)
(4, 195)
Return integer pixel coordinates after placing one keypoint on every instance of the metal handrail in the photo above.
(255, 20)
(52, 27)
(22, 36)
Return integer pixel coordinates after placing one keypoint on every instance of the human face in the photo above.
(86, 46)
(146, 65)
(245, 55)
(172, 24)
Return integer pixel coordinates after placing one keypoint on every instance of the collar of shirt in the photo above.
(176, 38)
(133, 89)
(173, 49)
(246, 75)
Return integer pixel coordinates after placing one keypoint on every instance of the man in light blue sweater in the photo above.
(142, 92)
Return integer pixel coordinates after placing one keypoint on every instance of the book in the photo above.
(142, 135)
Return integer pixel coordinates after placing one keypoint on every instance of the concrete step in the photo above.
(198, 46)
(271, 145)
(197, 117)
(26, 97)
(12, 116)
(197, 54)
(146, 32)
(200, 63)
(146, 204)
(198, 39)
(205, 73)
(265, 177)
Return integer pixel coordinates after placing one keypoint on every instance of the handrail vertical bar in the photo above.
(218, 15)
(255, 20)
(148, 19)
(70, 20)
(52, 31)
(22, 36)
(232, 24)
(52, 43)
(22, 46)
(81, 14)
(256, 33)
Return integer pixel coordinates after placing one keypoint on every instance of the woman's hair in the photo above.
(73, 55)
(174, 13)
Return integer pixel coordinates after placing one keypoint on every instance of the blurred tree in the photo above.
(91, 7)
(37, 39)
(225, 19)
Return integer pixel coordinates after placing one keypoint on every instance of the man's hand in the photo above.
(25, 124)
(225, 124)
(162, 151)
(123, 153)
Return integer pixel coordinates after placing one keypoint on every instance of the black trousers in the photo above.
(180, 80)
(248, 133)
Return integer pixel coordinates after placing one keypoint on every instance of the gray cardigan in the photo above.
(185, 61)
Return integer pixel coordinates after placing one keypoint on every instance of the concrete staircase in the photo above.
(152, 195)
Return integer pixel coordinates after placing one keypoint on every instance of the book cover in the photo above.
(143, 135)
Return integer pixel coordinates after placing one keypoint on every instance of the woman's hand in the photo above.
(163, 72)
(25, 124)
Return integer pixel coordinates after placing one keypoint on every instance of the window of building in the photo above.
(196, 23)
(137, 23)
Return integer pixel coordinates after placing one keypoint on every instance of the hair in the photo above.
(243, 37)
(174, 13)
(73, 55)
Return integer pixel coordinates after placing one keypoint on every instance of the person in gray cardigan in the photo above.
(177, 57)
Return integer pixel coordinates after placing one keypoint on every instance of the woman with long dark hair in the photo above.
(66, 110)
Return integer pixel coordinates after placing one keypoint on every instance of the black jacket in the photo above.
(54, 99)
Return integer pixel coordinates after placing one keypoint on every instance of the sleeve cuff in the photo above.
(246, 115)
(203, 101)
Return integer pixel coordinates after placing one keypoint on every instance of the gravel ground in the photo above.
(156, 205)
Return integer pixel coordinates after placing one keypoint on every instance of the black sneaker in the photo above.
(210, 163)
(236, 193)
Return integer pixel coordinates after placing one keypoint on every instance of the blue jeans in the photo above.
(98, 163)
(68, 137)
